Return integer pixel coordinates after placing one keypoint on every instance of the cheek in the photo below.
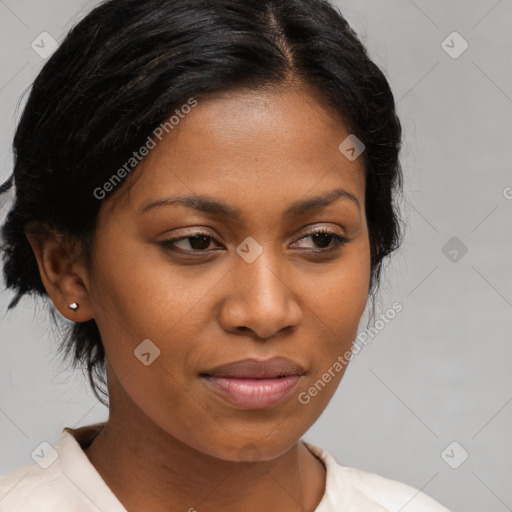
(141, 291)
(342, 299)
(148, 315)
(140, 294)
(338, 308)
(337, 313)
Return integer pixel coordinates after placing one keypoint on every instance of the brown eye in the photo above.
(325, 239)
(197, 242)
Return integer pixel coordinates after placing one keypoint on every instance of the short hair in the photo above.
(129, 64)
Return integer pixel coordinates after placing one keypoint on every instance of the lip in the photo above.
(257, 369)
(255, 384)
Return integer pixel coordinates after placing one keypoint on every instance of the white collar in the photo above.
(79, 470)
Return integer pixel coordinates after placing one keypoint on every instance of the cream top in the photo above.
(63, 479)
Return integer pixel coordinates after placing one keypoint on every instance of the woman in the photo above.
(206, 190)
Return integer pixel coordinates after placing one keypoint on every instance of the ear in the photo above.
(64, 274)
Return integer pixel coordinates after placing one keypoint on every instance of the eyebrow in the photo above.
(222, 209)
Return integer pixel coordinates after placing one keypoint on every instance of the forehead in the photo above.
(248, 147)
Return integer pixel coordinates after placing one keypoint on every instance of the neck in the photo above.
(148, 469)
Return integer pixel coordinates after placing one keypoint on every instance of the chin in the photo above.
(249, 451)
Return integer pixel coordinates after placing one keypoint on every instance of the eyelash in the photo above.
(169, 245)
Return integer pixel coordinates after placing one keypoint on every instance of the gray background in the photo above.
(439, 371)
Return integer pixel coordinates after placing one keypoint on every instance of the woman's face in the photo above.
(256, 282)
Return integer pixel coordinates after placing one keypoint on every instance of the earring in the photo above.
(73, 306)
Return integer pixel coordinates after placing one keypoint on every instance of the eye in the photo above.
(327, 239)
(199, 242)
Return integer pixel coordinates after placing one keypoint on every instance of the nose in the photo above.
(261, 298)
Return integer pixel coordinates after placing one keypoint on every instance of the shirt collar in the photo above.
(83, 475)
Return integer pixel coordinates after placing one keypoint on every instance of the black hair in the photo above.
(129, 64)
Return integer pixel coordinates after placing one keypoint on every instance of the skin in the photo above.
(170, 443)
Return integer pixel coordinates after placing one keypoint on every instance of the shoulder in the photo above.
(391, 494)
(33, 488)
(57, 481)
(373, 491)
(62, 479)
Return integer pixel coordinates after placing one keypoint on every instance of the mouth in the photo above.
(255, 384)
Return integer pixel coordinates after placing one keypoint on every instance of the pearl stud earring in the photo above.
(73, 306)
